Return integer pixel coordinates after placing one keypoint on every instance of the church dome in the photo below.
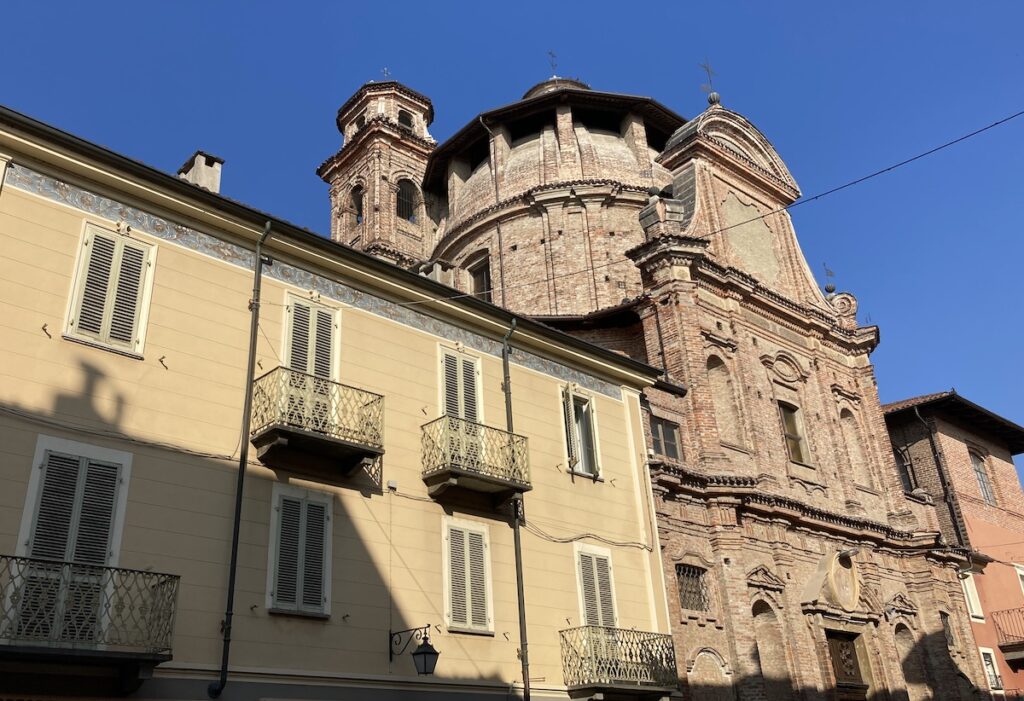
(554, 83)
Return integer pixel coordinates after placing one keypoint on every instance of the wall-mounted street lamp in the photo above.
(424, 656)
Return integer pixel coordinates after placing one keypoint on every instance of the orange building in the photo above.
(961, 455)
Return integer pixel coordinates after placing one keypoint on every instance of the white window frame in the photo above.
(1020, 576)
(45, 444)
(286, 347)
(290, 490)
(576, 393)
(995, 661)
(478, 363)
(586, 548)
(446, 568)
(78, 288)
(970, 589)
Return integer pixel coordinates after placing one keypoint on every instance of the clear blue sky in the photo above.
(933, 251)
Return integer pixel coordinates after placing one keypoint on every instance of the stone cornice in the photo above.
(384, 125)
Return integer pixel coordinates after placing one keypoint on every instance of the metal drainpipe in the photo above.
(947, 495)
(215, 688)
(497, 201)
(518, 516)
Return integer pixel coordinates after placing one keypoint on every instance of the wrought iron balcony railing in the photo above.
(316, 415)
(66, 606)
(596, 657)
(1009, 627)
(478, 457)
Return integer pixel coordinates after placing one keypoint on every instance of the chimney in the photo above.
(202, 169)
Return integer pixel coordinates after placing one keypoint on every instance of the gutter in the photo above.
(947, 493)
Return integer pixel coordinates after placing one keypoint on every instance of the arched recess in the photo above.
(709, 678)
(728, 417)
(408, 201)
(770, 653)
(912, 663)
(853, 438)
(356, 201)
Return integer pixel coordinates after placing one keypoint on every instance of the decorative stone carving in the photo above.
(845, 305)
(899, 605)
(762, 578)
(785, 366)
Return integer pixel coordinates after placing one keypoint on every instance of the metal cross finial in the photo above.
(710, 85)
(386, 72)
(553, 60)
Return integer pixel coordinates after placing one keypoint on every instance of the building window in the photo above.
(1020, 576)
(360, 121)
(480, 280)
(405, 118)
(984, 483)
(468, 581)
(988, 662)
(903, 469)
(793, 429)
(460, 385)
(405, 205)
(111, 290)
(970, 588)
(693, 588)
(580, 431)
(597, 597)
(357, 203)
(300, 552)
(666, 438)
(727, 412)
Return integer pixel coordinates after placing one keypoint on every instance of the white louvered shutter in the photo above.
(313, 564)
(323, 343)
(299, 337)
(568, 417)
(458, 612)
(460, 376)
(95, 514)
(109, 304)
(467, 579)
(300, 576)
(470, 410)
(596, 586)
(477, 584)
(450, 374)
(311, 339)
(286, 580)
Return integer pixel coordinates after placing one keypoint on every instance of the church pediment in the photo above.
(900, 605)
(762, 578)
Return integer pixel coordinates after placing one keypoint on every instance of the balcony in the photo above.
(1010, 631)
(301, 421)
(60, 621)
(474, 457)
(618, 663)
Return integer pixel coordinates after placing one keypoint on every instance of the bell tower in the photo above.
(376, 178)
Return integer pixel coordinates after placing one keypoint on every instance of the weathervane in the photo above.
(385, 72)
(709, 87)
(553, 60)
(830, 285)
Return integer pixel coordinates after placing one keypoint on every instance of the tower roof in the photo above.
(554, 83)
(383, 86)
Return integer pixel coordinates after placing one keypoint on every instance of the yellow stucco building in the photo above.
(381, 479)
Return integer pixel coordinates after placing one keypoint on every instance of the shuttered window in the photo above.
(460, 380)
(468, 572)
(311, 331)
(580, 432)
(595, 578)
(75, 514)
(300, 570)
(110, 290)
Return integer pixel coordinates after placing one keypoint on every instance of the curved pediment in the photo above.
(731, 133)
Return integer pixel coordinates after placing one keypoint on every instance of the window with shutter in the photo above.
(460, 379)
(468, 586)
(111, 289)
(299, 575)
(596, 591)
(311, 334)
(580, 433)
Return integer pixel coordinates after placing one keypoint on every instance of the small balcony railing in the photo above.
(294, 411)
(457, 452)
(57, 606)
(596, 657)
(1010, 630)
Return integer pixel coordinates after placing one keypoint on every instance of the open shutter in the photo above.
(286, 584)
(459, 606)
(93, 304)
(571, 439)
(477, 580)
(127, 297)
(313, 564)
(298, 342)
(53, 526)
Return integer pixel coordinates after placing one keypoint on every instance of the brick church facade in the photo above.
(798, 566)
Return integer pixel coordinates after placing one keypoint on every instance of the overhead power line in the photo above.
(797, 203)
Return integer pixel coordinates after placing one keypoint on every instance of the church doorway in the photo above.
(844, 650)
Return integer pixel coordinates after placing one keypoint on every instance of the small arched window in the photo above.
(903, 468)
(793, 432)
(405, 118)
(984, 483)
(360, 121)
(357, 203)
(405, 204)
(727, 411)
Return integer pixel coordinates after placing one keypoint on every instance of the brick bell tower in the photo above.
(375, 179)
